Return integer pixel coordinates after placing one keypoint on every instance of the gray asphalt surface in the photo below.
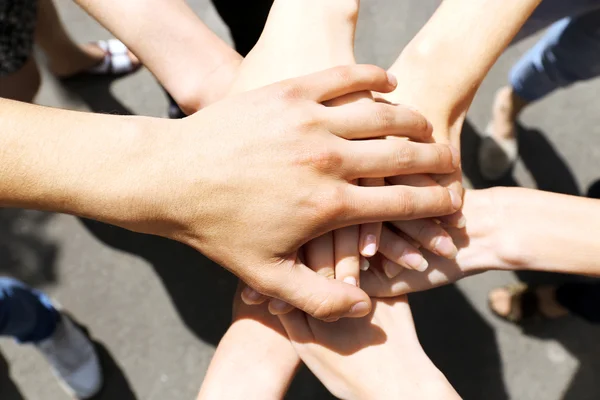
(157, 309)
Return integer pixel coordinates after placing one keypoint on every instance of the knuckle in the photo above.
(385, 117)
(334, 203)
(344, 74)
(405, 204)
(443, 157)
(322, 308)
(405, 156)
(289, 91)
(324, 159)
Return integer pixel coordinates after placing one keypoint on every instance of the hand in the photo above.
(480, 248)
(278, 175)
(376, 357)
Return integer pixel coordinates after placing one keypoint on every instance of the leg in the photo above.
(19, 75)
(65, 57)
(568, 53)
(22, 85)
(29, 316)
(25, 314)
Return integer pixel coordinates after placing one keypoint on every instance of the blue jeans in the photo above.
(25, 314)
(569, 52)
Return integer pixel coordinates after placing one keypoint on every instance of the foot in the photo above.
(73, 359)
(518, 302)
(498, 151)
(84, 59)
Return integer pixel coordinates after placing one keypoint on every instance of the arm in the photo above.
(544, 231)
(441, 69)
(191, 62)
(375, 357)
(254, 360)
(509, 229)
(173, 179)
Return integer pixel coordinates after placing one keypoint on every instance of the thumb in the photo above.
(316, 295)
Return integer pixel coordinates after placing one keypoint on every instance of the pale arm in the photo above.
(509, 229)
(254, 360)
(442, 67)
(191, 62)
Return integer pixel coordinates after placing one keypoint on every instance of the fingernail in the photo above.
(455, 198)
(392, 79)
(370, 246)
(350, 280)
(415, 261)
(277, 305)
(462, 222)
(332, 319)
(359, 310)
(455, 157)
(364, 264)
(391, 269)
(251, 294)
(445, 247)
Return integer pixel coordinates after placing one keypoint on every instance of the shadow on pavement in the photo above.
(578, 337)
(26, 255)
(95, 92)
(8, 389)
(460, 343)
(116, 385)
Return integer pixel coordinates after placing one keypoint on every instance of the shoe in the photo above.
(73, 359)
(496, 156)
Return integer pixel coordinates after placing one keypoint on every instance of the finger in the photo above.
(339, 81)
(323, 298)
(371, 120)
(370, 233)
(319, 255)
(400, 254)
(279, 307)
(251, 297)
(456, 220)
(441, 272)
(430, 235)
(359, 205)
(347, 257)
(381, 158)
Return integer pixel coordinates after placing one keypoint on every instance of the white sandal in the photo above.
(116, 61)
(496, 156)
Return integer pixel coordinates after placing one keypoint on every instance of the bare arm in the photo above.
(254, 360)
(193, 63)
(509, 229)
(442, 67)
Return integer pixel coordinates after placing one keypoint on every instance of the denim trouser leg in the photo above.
(25, 314)
(569, 52)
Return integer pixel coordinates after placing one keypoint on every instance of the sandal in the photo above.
(496, 156)
(526, 303)
(116, 61)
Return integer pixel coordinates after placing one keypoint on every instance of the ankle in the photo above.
(508, 103)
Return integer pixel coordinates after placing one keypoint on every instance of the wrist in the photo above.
(202, 91)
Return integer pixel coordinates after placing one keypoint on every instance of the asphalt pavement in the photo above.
(157, 309)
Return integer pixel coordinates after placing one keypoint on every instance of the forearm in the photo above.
(442, 67)
(66, 161)
(252, 361)
(547, 231)
(173, 43)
